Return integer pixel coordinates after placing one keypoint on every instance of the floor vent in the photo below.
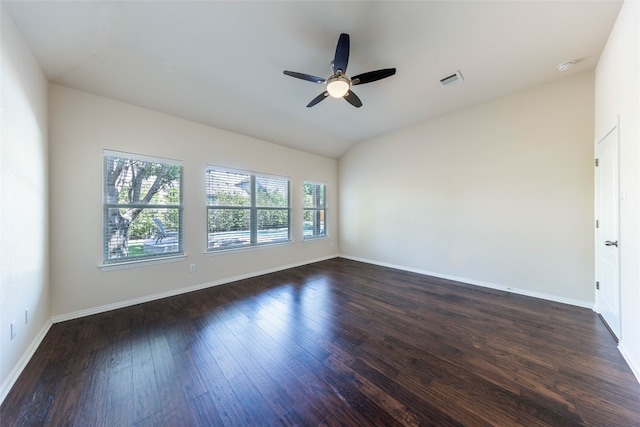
(451, 80)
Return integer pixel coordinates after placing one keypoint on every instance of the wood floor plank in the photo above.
(337, 342)
(538, 409)
(203, 411)
(273, 393)
(91, 402)
(255, 406)
(303, 387)
(226, 404)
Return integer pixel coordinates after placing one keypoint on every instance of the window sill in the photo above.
(249, 248)
(315, 239)
(141, 263)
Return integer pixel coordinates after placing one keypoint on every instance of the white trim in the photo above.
(127, 303)
(525, 292)
(142, 262)
(628, 357)
(22, 363)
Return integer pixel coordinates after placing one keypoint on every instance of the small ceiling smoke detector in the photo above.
(565, 65)
(452, 79)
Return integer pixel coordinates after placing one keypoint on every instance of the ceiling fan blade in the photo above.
(353, 99)
(318, 98)
(304, 76)
(372, 76)
(341, 58)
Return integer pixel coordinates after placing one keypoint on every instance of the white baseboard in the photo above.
(147, 298)
(633, 364)
(22, 363)
(525, 292)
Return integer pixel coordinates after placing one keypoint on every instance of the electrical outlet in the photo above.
(192, 268)
(14, 331)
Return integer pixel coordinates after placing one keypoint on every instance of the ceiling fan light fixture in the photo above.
(338, 86)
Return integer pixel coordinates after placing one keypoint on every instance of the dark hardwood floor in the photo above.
(332, 343)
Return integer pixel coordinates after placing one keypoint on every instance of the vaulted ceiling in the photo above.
(220, 63)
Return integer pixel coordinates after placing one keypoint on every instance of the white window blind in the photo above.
(246, 209)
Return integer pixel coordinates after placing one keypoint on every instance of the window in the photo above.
(315, 210)
(142, 207)
(246, 209)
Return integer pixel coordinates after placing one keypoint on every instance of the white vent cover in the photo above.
(451, 80)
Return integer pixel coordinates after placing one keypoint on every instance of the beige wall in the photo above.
(82, 125)
(24, 272)
(499, 195)
(617, 90)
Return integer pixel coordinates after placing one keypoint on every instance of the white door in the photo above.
(607, 243)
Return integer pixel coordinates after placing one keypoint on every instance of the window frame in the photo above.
(253, 208)
(110, 263)
(320, 211)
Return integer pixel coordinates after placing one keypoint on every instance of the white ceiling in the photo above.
(221, 63)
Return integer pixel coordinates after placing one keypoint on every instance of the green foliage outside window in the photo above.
(138, 190)
(246, 209)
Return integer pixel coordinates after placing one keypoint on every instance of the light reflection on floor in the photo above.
(270, 326)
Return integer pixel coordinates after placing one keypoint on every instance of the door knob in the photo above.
(610, 243)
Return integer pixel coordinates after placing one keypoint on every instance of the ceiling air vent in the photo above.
(452, 79)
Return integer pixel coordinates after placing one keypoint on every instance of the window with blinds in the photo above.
(246, 209)
(142, 207)
(315, 210)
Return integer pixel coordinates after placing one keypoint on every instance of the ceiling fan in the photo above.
(339, 85)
